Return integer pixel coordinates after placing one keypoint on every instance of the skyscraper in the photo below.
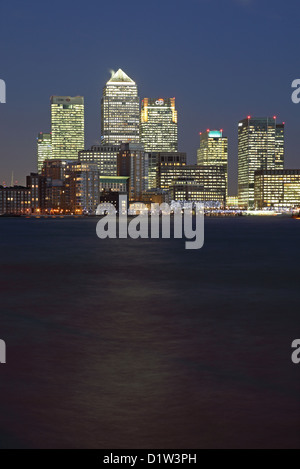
(213, 150)
(67, 126)
(120, 110)
(158, 128)
(260, 147)
(44, 149)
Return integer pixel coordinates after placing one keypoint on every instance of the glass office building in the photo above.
(277, 189)
(188, 190)
(260, 147)
(151, 160)
(105, 156)
(67, 126)
(44, 149)
(182, 177)
(213, 150)
(167, 168)
(158, 128)
(120, 110)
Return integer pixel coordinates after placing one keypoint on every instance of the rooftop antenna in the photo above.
(12, 179)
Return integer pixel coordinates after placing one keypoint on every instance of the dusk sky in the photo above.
(221, 59)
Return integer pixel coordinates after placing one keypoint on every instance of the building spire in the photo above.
(120, 76)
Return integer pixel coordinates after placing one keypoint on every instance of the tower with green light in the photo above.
(213, 150)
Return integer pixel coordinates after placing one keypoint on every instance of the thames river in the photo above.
(143, 344)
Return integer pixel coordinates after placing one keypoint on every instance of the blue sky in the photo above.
(221, 59)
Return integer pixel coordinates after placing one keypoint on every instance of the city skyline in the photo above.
(229, 80)
(117, 79)
(125, 119)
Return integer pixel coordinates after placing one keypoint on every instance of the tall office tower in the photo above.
(131, 163)
(260, 147)
(104, 155)
(213, 150)
(158, 127)
(67, 126)
(279, 146)
(44, 149)
(120, 110)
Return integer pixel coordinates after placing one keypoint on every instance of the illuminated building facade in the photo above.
(131, 163)
(167, 168)
(158, 127)
(105, 156)
(213, 150)
(120, 110)
(57, 198)
(15, 200)
(210, 180)
(260, 147)
(114, 183)
(155, 196)
(151, 160)
(186, 189)
(67, 126)
(278, 189)
(37, 185)
(54, 169)
(44, 149)
(82, 186)
(232, 202)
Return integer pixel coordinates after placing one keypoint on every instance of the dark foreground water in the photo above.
(142, 344)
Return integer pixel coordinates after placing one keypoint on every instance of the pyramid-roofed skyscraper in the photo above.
(120, 110)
